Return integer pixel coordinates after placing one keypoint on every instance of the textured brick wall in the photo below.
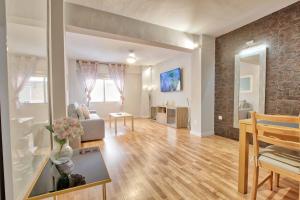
(281, 32)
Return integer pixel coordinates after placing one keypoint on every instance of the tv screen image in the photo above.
(170, 81)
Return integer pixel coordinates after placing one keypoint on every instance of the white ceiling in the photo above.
(31, 40)
(213, 17)
(24, 39)
(80, 46)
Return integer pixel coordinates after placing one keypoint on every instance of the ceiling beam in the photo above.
(84, 20)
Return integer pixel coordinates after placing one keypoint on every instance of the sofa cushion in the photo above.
(72, 111)
(281, 157)
(85, 111)
(80, 113)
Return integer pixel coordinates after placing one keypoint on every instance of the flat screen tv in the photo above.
(170, 81)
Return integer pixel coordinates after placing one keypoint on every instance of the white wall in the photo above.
(132, 92)
(146, 77)
(177, 98)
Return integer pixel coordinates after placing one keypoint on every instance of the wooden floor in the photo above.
(157, 162)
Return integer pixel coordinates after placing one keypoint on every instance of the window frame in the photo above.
(104, 92)
(250, 77)
(45, 91)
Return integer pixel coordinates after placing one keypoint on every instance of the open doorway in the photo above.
(141, 78)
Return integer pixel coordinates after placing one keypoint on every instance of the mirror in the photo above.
(250, 83)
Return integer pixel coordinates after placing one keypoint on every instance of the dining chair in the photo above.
(282, 157)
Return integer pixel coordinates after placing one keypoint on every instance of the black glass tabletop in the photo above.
(88, 170)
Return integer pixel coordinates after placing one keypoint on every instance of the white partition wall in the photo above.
(24, 95)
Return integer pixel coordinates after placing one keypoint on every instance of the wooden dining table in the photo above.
(245, 134)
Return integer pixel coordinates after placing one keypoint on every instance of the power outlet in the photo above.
(220, 117)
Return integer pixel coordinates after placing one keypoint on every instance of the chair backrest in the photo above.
(278, 130)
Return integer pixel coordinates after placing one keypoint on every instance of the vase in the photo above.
(61, 153)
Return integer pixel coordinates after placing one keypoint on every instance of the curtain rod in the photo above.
(97, 62)
(107, 63)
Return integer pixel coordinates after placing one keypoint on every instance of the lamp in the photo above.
(131, 57)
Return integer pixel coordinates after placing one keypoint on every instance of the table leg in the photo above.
(132, 123)
(116, 126)
(243, 160)
(124, 121)
(104, 191)
(109, 121)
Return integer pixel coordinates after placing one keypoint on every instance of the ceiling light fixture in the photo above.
(131, 57)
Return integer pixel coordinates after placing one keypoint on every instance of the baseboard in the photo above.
(202, 134)
(208, 133)
(135, 117)
(195, 133)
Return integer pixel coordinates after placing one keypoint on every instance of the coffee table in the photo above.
(123, 115)
(88, 162)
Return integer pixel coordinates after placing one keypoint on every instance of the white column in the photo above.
(207, 85)
(202, 87)
(58, 72)
(196, 107)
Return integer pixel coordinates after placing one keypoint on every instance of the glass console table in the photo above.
(89, 171)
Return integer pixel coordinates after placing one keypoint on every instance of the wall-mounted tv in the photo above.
(170, 81)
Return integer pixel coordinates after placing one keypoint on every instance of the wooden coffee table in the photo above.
(123, 115)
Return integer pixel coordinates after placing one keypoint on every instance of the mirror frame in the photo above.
(260, 50)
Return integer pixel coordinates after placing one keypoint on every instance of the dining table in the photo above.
(246, 132)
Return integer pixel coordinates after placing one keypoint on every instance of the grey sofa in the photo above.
(94, 128)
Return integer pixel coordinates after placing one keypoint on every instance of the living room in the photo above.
(148, 64)
(131, 99)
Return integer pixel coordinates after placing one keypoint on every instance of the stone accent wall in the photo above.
(281, 32)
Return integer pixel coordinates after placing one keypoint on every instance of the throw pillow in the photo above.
(86, 112)
(80, 113)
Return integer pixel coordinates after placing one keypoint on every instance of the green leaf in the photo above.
(50, 128)
(60, 141)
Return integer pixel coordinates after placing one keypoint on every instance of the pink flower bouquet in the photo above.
(65, 129)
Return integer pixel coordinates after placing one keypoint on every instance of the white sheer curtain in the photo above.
(22, 68)
(88, 74)
(117, 73)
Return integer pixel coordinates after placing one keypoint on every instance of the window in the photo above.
(105, 90)
(35, 90)
(246, 84)
(97, 94)
(111, 91)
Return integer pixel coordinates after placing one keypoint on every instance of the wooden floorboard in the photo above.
(156, 162)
